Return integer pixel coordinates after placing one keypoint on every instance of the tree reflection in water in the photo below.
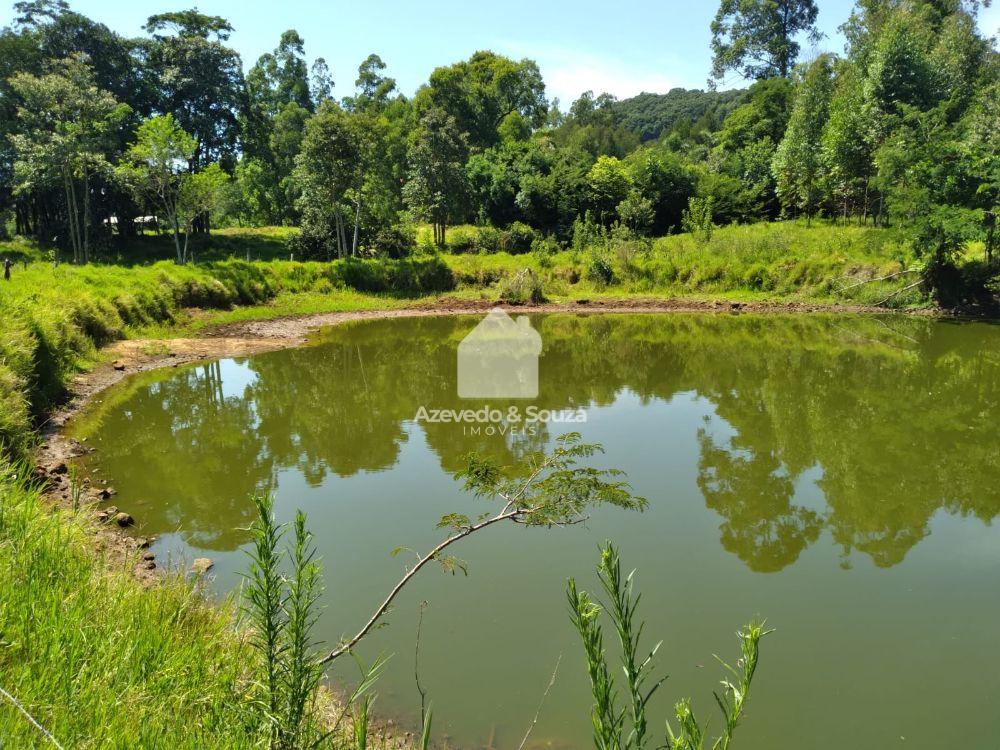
(897, 414)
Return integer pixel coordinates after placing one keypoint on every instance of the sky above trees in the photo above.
(581, 45)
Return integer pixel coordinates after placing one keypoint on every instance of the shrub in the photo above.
(488, 241)
(587, 232)
(544, 248)
(521, 289)
(517, 238)
(461, 239)
(697, 218)
(600, 271)
(395, 242)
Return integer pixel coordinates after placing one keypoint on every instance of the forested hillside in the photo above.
(649, 116)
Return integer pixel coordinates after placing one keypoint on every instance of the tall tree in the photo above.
(479, 93)
(374, 88)
(328, 167)
(320, 81)
(756, 38)
(436, 190)
(797, 162)
(67, 126)
(199, 80)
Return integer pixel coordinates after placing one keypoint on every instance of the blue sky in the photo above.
(622, 48)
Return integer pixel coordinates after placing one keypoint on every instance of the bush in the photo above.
(544, 248)
(314, 242)
(461, 239)
(600, 271)
(521, 289)
(517, 238)
(588, 233)
(697, 218)
(488, 241)
(394, 242)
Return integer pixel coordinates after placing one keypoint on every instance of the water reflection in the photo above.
(897, 417)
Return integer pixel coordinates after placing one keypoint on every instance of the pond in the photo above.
(837, 475)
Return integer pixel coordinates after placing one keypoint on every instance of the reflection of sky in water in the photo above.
(237, 376)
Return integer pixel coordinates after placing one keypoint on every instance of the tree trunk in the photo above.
(70, 214)
(357, 220)
(177, 240)
(86, 216)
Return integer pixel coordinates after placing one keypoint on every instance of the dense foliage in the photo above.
(167, 132)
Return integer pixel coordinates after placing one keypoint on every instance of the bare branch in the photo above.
(900, 291)
(880, 278)
(348, 645)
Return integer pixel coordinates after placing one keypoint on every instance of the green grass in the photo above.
(779, 262)
(100, 661)
(55, 317)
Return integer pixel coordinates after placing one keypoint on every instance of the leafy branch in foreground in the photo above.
(609, 720)
(555, 492)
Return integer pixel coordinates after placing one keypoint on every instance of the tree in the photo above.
(373, 87)
(610, 183)
(662, 178)
(636, 212)
(436, 189)
(756, 38)
(156, 167)
(67, 125)
(200, 195)
(847, 144)
(327, 168)
(482, 91)
(320, 81)
(198, 80)
(797, 164)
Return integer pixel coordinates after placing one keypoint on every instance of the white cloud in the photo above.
(569, 75)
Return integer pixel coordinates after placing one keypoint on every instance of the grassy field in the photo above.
(104, 663)
(98, 660)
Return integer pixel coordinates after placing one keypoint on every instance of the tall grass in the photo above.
(96, 659)
(779, 261)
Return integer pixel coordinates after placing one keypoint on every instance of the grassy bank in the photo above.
(56, 316)
(96, 659)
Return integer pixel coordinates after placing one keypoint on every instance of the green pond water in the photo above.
(837, 475)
